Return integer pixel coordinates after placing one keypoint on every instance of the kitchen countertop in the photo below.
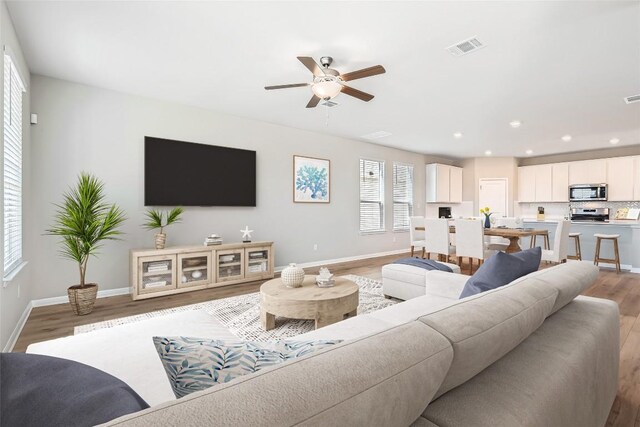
(613, 222)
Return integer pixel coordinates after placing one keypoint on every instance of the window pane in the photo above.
(12, 178)
(402, 195)
(371, 195)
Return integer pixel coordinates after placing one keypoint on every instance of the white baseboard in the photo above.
(123, 291)
(626, 267)
(64, 299)
(18, 329)
(345, 259)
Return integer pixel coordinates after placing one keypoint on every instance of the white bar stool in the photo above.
(614, 239)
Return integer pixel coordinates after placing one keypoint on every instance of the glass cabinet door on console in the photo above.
(257, 262)
(156, 273)
(230, 265)
(194, 269)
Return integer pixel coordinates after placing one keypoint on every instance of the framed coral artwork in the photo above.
(311, 180)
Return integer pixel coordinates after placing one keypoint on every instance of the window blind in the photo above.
(12, 184)
(402, 195)
(371, 195)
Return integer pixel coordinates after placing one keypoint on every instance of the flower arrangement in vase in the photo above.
(487, 216)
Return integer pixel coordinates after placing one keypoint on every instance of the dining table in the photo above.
(512, 234)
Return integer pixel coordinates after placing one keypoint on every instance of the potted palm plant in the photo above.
(84, 221)
(158, 220)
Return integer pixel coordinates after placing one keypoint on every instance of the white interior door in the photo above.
(493, 193)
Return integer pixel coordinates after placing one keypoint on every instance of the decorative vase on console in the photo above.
(292, 276)
(487, 216)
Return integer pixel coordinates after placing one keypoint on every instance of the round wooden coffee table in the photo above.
(324, 305)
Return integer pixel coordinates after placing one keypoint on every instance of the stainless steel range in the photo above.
(590, 214)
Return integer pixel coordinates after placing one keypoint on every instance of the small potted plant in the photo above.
(487, 216)
(158, 220)
(84, 221)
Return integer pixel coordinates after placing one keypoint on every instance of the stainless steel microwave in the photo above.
(587, 192)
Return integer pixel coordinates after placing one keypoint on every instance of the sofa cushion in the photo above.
(347, 384)
(569, 279)
(195, 364)
(564, 374)
(38, 390)
(485, 327)
(501, 269)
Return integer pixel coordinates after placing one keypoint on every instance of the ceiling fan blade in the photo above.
(365, 72)
(312, 65)
(286, 86)
(313, 101)
(363, 96)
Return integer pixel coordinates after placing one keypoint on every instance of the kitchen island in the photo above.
(629, 240)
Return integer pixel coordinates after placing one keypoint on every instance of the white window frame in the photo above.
(13, 139)
(380, 201)
(405, 201)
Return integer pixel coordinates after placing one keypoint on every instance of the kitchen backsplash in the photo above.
(560, 210)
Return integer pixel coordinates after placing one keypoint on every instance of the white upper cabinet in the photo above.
(620, 177)
(527, 184)
(636, 180)
(544, 186)
(588, 172)
(560, 182)
(444, 184)
(455, 185)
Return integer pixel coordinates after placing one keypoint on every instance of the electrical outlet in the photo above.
(315, 247)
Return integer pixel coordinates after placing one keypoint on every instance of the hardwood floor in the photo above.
(56, 321)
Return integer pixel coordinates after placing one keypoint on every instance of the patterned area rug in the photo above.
(241, 314)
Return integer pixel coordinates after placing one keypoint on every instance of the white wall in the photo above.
(83, 128)
(489, 167)
(15, 297)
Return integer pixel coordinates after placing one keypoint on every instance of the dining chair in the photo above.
(437, 239)
(470, 242)
(416, 236)
(560, 244)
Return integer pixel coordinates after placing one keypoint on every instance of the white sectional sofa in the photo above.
(532, 353)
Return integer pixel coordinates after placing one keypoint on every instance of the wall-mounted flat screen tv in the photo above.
(180, 173)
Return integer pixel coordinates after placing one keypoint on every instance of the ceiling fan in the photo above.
(328, 83)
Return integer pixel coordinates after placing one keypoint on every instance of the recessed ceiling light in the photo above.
(614, 141)
(515, 124)
(487, 153)
(566, 138)
(457, 135)
(529, 152)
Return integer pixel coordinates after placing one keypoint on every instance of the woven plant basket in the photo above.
(161, 240)
(82, 299)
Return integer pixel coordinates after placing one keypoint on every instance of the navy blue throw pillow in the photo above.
(502, 269)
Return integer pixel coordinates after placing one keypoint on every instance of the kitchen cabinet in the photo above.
(620, 172)
(544, 186)
(636, 180)
(535, 183)
(455, 185)
(444, 183)
(527, 184)
(560, 182)
(588, 172)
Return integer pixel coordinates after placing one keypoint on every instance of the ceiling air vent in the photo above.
(631, 99)
(465, 46)
(376, 135)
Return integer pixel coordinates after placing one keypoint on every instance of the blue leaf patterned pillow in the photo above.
(194, 364)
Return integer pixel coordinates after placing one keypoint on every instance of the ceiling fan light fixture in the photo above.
(326, 87)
